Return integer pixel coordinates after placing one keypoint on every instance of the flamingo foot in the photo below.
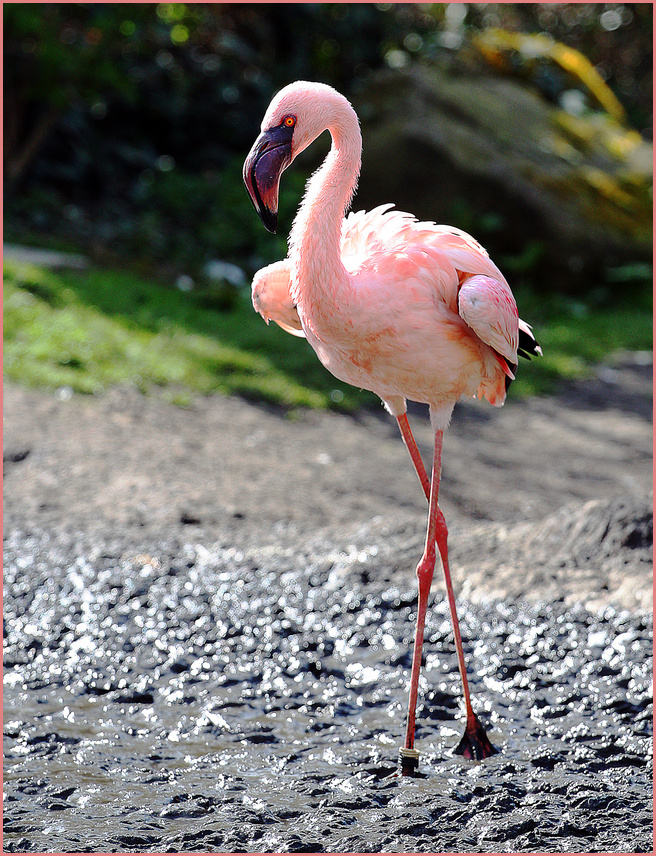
(475, 744)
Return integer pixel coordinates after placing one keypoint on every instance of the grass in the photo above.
(88, 330)
(576, 336)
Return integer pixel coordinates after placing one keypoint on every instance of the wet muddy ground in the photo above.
(225, 670)
(177, 705)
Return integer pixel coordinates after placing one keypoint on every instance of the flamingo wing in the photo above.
(488, 307)
(271, 297)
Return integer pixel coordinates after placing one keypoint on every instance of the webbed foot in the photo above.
(475, 744)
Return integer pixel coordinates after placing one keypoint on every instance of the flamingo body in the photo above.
(406, 309)
(418, 288)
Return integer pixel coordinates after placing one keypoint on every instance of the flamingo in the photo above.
(406, 309)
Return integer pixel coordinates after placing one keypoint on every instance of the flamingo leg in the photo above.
(411, 445)
(475, 743)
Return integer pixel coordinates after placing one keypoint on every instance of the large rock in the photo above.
(557, 197)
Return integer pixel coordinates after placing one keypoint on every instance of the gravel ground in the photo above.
(209, 614)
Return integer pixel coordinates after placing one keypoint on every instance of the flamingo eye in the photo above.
(289, 121)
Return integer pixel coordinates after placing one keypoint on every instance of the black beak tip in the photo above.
(269, 220)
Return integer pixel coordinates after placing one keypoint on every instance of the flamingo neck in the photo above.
(315, 239)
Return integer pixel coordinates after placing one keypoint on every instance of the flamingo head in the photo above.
(298, 114)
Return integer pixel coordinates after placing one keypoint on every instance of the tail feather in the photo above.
(527, 347)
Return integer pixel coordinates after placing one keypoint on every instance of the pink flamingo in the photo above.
(406, 309)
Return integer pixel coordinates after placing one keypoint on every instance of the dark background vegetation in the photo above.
(126, 125)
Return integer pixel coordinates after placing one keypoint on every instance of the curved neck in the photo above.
(315, 238)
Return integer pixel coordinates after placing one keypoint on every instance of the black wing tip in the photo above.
(528, 346)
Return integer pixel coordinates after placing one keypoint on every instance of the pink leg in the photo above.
(409, 440)
(474, 743)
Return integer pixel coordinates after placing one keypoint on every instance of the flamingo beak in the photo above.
(270, 156)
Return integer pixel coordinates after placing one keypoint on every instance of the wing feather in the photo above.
(271, 297)
(487, 306)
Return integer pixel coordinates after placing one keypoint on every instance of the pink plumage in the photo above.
(271, 297)
(406, 309)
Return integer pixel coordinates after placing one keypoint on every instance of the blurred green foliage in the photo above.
(126, 124)
(132, 121)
